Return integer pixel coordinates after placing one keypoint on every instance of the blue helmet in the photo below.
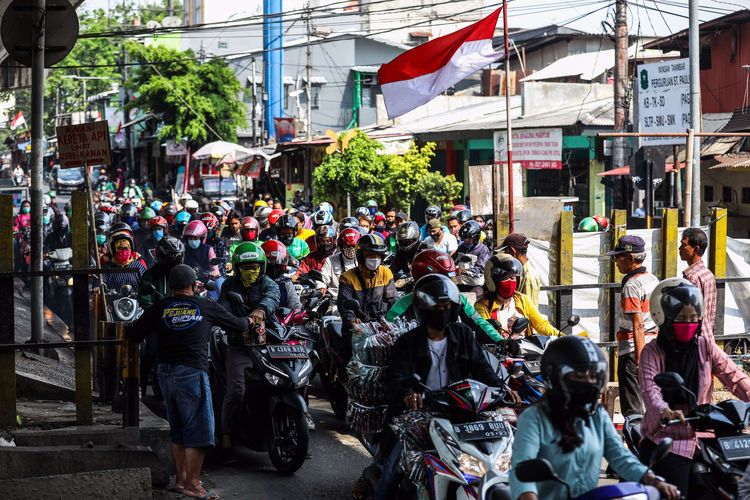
(325, 206)
(322, 218)
(182, 217)
(156, 205)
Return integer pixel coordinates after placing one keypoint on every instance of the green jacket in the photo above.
(469, 315)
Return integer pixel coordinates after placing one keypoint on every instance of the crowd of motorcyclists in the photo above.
(464, 290)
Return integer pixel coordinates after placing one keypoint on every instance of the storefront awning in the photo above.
(626, 170)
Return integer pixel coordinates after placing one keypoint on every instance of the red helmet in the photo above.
(196, 229)
(602, 221)
(157, 221)
(249, 228)
(277, 258)
(348, 237)
(275, 215)
(432, 262)
(209, 220)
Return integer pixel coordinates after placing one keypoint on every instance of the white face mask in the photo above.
(372, 264)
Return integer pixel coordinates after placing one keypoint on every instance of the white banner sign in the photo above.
(536, 149)
(663, 100)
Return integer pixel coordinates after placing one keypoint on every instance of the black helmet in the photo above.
(574, 354)
(60, 222)
(347, 222)
(128, 210)
(286, 222)
(322, 233)
(121, 227)
(431, 292)
(462, 215)
(362, 212)
(432, 212)
(408, 236)
(498, 268)
(102, 218)
(471, 230)
(170, 251)
(370, 243)
(218, 211)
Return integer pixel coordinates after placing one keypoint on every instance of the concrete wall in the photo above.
(538, 96)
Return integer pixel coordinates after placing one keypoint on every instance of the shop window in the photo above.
(746, 195)
(315, 95)
(708, 193)
(286, 95)
(705, 56)
(370, 90)
(726, 194)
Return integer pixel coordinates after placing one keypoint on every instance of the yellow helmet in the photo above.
(260, 203)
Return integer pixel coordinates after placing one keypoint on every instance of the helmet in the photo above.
(602, 221)
(326, 207)
(370, 243)
(275, 215)
(170, 251)
(102, 218)
(571, 354)
(156, 205)
(407, 237)
(277, 258)
(588, 225)
(249, 228)
(157, 221)
(322, 218)
(115, 236)
(182, 217)
(499, 268)
(121, 227)
(670, 296)
(195, 229)
(286, 222)
(348, 222)
(247, 252)
(262, 213)
(371, 203)
(128, 210)
(432, 261)
(102, 228)
(107, 207)
(60, 222)
(219, 212)
(462, 215)
(46, 200)
(432, 212)
(347, 242)
(209, 220)
(325, 232)
(168, 211)
(186, 196)
(147, 214)
(470, 229)
(362, 211)
(431, 292)
(258, 204)
(131, 182)
(191, 205)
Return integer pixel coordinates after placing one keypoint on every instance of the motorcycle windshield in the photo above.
(471, 396)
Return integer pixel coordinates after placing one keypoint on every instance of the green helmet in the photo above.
(371, 203)
(588, 225)
(147, 214)
(249, 251)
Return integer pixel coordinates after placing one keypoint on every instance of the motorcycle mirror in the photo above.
(661, 451)
(236, 298)
(520, 325)
(535, 471)
(210, 285)
(574, 320)
(126, 289)
(669, 380)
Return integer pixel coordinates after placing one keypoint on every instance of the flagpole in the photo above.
(508, 127)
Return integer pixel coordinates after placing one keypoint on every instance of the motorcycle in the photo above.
(539, 470)
(723, 446)
(122, 305)
(19, 180)
(274, 408)
(60, 291)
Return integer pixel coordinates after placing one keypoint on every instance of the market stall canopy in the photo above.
(218, 150)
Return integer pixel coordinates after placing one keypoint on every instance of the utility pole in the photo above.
(619, 152)
(254, 104)
(695, 111)
(308, 70)
(37, 134)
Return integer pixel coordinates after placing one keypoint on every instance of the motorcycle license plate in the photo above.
(287, 351)
(736, 447)
(533, 366)
(62, 266)
(477, 431)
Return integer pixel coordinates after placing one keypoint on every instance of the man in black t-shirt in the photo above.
(182, 324)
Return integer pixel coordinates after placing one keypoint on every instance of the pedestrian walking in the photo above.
(692, 247)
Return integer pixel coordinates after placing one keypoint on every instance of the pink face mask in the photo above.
(684, 332)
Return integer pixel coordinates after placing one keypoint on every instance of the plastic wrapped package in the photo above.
(365, 419)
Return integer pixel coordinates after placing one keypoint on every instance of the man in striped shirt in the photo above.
(692, 247)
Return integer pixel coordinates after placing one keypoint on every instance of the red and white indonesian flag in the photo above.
(17, 121)
(418, 75)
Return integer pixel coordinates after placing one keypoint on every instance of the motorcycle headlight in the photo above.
(125, 308)
(273, 379)
(471, 465)
(502, 463)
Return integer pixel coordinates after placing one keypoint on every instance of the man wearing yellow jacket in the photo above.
(502, 303)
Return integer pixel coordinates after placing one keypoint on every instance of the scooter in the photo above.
(274, 408)
(539, 470)
(60, 285)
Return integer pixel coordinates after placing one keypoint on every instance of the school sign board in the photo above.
(663, 101)
(83, 145)
(534, 149)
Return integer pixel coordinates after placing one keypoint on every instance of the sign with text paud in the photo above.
(534, 149)
(83, 145)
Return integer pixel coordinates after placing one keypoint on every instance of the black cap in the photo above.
(628, 244)
(181, 276)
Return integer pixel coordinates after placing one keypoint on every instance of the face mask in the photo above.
(684, 332)
(45, 219)
(349, 252)
(373, 210)
(122, 255)
(380, 228)
(582, 395)
(506, 289)
(194, 244)
(249, 276)
(101, 239)
(327, 249)
(249, 235)
(158, 234)
(25, 209)
(372, 264)
(469, 246)
(286, 239)
(438, 320)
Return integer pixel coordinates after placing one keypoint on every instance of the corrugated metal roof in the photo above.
(599, 113)
(586, 66)
(731, 161)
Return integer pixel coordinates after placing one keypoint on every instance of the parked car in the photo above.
(66, 179)
(214, 188)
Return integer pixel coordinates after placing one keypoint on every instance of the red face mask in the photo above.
(684, 332)
(249, 234)
(122, 255)
(506, 289)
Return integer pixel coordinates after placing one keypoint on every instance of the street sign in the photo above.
(60, 31)
(647, 157)
(534, 149)
(84, 144)
(663, 100)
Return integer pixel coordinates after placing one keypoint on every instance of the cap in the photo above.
(515, 240)
(181, 276)
(435, 223)
(402, 216)
(628, 244)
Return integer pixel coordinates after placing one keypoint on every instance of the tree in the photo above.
(198, 101)
(441, 190)
(406, 173)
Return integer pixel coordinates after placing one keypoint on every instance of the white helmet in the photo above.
(670, 296)
(46, 200)
(186, 196)
(191, 204)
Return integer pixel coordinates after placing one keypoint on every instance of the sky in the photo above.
(647, 17)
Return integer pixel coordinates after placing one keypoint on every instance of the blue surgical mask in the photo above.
(25, 209)
(194, 243)
(158, 234)
(373, 211)
(101, 239)
(45, 219)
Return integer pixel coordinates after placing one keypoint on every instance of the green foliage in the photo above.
(189, 97)
(391, 180)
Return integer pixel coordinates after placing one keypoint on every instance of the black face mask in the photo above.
(438, 320)
(583, 395)
(286, 239)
